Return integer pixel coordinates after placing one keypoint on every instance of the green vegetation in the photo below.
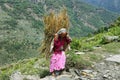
(33, 66)
(112, 48)
(40, 66)
(87, 43)
(82, 61)
(21, 30)
(109, 5)
(21, 25)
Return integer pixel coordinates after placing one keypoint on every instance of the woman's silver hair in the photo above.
(62, 30)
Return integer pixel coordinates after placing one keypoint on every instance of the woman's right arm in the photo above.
(56, 41)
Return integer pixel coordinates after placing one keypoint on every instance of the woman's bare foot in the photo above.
(53, 74)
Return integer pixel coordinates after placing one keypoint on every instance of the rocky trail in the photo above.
(107, 69)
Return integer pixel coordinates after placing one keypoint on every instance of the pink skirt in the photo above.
(57, 61)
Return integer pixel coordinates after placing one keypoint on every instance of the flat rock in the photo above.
(64, 78)
(31, 77)
(16, 76)
(115, 58)
(48, 78)
(79, 53)
(87, 71)
(61, 77)
(97, 47)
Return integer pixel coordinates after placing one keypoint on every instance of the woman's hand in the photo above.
(68, 37)
(56, 36)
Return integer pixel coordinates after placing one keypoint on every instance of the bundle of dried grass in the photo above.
(52, 23)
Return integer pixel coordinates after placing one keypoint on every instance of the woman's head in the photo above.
(62, 32)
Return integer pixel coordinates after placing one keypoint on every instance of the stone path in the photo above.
(109, 69)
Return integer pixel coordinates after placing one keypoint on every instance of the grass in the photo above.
(90, 57)
(82, 61)
(21, 31)
(26, 67)
(113, 47)
(87, 43)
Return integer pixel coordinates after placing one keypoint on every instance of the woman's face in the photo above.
(64, 34)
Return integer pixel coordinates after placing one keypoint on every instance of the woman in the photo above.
(60, 43)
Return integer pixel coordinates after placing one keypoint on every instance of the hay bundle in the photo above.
(52, 23)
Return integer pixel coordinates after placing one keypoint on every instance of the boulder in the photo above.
(16, 76)
(115, 58)
(108, 39)
(78, 53)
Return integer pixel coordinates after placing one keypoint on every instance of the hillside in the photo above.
(84, 18)
(112, 5)
(104, 36)
(21, 26)
(93, 52)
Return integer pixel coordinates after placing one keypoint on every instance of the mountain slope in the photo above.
(84, 18)
(104, 36)
(38, 67)
(20, 31)
(21, 26)
(112, 5)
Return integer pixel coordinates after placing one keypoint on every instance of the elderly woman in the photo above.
(58, 59)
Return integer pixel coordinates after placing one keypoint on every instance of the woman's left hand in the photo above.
(68, 37)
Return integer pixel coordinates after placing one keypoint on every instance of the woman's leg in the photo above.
(55, 73)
